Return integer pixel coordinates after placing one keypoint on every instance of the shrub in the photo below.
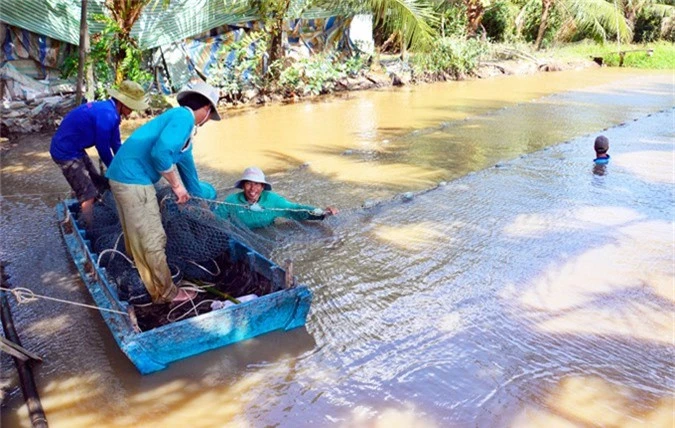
(453, 20)
(450, 55)
(647, 28)
(499, 19)
(311, 76)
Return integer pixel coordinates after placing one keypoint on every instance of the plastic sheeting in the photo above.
(158, 24)
(32, 54)
(193, 56)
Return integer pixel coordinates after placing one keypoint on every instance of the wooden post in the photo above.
(84, 46)
(28, 388)
(17, 351)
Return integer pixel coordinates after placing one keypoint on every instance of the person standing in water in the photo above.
(257, 206)
(601, 147)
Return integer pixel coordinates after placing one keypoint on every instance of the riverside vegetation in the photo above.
(415, 40)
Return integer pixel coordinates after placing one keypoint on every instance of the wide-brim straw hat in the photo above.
(205, 90)
(131, 94)
(255, 175)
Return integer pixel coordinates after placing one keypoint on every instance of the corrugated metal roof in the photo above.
(158, 25)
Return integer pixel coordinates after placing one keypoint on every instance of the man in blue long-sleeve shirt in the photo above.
(160, 148)
(93, 124)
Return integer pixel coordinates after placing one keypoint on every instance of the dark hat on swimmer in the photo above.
(601, 144)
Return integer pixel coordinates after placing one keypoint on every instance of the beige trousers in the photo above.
(144, 237)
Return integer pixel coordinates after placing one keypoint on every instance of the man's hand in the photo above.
(176, 185)
(181, 193)
(331, 210)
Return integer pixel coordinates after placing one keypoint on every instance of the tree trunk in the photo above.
(90, 78)
(391, 39)
(125, 13)
(474, 11)
(276, 43)
(275, 11)
(545, 8)
(84, 46)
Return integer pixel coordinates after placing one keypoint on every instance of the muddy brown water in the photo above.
(527, 289)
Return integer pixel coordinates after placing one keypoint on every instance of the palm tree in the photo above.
(125, 13)
(411, 19)
(597, 16)
(632, 9)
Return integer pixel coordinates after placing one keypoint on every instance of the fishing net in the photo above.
(198, 250)
(196, 238)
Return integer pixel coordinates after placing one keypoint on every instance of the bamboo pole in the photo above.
(28, 388)
(17, 351)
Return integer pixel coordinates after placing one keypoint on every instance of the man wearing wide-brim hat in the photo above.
(93, 124)
(160, 148)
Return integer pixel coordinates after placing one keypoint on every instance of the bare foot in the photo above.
(184, 295)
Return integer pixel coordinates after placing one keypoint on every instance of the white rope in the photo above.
(25, 295)
(177, 275)
(206, 270)
(161, 203)
(185, 283)
(114, 251)
(117, 242)
(185, 315)
(194, 287)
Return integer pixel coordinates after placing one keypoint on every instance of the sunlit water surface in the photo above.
(519, 286)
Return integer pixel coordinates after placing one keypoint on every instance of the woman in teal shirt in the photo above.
(257, 206)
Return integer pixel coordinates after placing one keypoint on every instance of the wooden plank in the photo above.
(11, 351)
(4, 343)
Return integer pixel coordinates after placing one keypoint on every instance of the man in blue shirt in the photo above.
(160, 148)
(93, 124)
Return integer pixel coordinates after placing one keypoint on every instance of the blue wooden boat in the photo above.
(284, 307)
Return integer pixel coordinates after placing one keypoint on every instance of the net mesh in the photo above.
(198, 250)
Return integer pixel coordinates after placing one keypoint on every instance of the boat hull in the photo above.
(155, 349)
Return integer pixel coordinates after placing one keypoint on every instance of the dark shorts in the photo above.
(83, 178)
